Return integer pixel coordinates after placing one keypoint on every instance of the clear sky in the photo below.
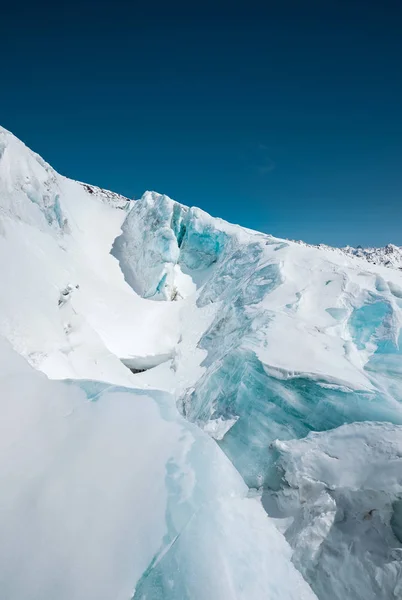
(284, 116)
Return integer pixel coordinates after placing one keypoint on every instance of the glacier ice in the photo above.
(160, 241)
(346, 511)
(108, 493)
(287, 355)
(268, 403)
(298, 344)
(148, 247)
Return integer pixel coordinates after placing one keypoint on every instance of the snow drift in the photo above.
(287, 355)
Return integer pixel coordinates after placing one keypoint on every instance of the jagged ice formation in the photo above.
(281, 477)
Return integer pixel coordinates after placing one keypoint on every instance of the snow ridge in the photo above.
(108, 197)
(287, 355)
(388, 256)
(108, 491)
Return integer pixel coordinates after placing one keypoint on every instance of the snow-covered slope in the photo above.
(65, 305)
(389, 256)
(101, 481)
(258, 342)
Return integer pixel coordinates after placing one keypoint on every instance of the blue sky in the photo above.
(283, 116)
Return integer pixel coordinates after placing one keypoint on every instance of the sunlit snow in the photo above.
(227, 418)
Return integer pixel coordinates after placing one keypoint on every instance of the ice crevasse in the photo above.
(258, 452)
(280, 340)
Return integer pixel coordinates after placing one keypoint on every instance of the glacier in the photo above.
(191, 409)
(108, 493)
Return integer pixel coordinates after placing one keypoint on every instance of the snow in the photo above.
(102, 320)
(346, 511)
(389, 256)
(99, 481)
(162, 239)
(218, 428)
(279, 340)
(283, 359)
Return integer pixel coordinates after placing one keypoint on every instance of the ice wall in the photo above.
(281, 352)
(289, 340)
(161, 242)
(108, 493)
(300, 343)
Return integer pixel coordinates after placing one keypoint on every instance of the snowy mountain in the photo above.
(227, 419)
(389, 256)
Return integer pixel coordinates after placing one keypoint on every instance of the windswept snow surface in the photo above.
(64, 304)
(99, 482)
(287, 355)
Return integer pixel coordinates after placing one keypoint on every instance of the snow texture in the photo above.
(282, 339)
(287, 355)
(55, 237)
(346, 512)
(105, 486)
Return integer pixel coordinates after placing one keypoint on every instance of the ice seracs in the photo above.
(287, 355)
(279, 340)
(148, 248)
(161, 242)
